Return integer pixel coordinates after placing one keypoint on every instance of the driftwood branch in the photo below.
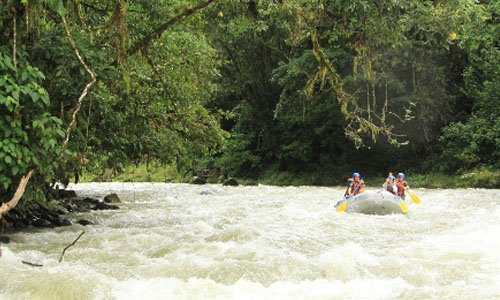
(31, 264)
(85, 90)
(70, 245)
(17, 195)
(156, 33)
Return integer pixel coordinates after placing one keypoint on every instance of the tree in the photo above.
(475, 141)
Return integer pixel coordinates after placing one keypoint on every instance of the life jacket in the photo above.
(358, 187)
(400, 184)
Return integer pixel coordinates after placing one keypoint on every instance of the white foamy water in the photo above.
(179, 241)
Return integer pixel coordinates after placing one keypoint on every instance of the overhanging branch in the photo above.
(156, 33)
(6, 207)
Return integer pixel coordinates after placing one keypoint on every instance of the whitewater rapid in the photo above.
(180, 241)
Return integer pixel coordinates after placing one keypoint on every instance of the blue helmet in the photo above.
(356, 174)
(390, 177)
(401, 175)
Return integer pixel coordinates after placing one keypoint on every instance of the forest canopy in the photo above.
(246, 87)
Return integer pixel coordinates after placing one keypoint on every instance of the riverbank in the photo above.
(478, 178)
(54, 210)
(483, 178)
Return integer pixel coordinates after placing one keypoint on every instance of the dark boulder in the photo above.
(20, 224)
(69, 206)
(112, 198)
(231, 182)
(91, 200)
(85, 222)
(105, 206)
(198, 180)
(4, 239)
(61, 194)
(41, 223)
(49, 216)
(61, 222)
(62, 211)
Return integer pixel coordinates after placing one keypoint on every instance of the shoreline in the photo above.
(54, 211)
(478, 178)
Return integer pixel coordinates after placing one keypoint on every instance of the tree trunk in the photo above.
(6, 207)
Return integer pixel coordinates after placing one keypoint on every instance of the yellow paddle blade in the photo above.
(415, 198)
(342, 206)
(404, 207)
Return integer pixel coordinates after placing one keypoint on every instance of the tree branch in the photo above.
(146, 40)
(6, 207)
(72, 244)
(31, 264)
(84, 92)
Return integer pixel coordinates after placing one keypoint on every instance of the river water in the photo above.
(180, 241)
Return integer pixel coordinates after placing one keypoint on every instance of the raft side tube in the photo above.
(374, 203)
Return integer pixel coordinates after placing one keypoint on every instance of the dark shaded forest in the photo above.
(250, 89)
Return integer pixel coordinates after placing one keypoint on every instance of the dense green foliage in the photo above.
(475, 140)
(308, 88)
(309, 82)
(28, 132)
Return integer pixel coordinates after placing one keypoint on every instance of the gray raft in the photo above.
(375, 203)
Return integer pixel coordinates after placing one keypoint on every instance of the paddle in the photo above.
(404, 207)
(342, 206)
(414, 197)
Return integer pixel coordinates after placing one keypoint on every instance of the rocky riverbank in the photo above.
(54, 213)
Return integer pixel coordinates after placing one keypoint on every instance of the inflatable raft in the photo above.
(373, 203)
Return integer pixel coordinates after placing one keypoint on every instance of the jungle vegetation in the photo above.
(246, 88)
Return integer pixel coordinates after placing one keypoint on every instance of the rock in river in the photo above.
(41, 223)
(105, 206)
(84, 222)
(112, 198)
(198, 180)
(231, 181)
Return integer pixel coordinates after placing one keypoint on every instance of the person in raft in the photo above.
(355, 185)
(401, 185)
(389, 184)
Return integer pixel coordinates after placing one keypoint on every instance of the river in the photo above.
(180, 241)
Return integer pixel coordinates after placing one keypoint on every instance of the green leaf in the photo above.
(8, 62)
(44, 96)
(15, 94)
(60, 132)
(15, 170)
(57, 6)
(18, 131)
(34, 96)
(24, 75)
